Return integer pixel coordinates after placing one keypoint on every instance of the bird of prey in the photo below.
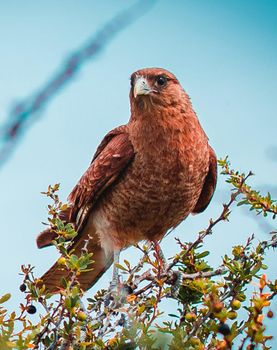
(144, 179)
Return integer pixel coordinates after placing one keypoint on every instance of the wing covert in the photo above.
(209, 184)
(112, 157)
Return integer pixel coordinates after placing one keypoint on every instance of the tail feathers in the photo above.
(102, 261)
(45, 238)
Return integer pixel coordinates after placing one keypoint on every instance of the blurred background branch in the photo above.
(25, 112)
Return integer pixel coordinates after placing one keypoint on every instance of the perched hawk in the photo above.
(144, 179)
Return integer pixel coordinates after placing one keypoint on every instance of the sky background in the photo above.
(223, 52)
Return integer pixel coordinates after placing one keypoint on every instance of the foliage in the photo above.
(213, 305)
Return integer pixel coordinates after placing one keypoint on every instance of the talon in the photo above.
(128, 289)
(176, 283)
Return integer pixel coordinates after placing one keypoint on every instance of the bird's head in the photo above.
(154, 87)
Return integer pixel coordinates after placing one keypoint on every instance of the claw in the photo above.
(176, 283)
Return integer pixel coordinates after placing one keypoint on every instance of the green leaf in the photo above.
(63, 282)
(202, 255)
(5, 298)
(126, 262)
(119, 266)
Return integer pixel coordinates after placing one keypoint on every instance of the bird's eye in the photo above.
(161, 80)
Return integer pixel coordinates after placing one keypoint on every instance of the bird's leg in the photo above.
(115, 278)
(176, 283)
(112, 291)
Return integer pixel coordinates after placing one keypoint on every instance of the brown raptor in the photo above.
(144, 179)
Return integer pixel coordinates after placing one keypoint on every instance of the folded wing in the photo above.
(110, 161)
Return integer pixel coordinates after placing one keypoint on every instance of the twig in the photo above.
(27, 110)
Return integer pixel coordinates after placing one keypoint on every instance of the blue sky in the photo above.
(223, 52)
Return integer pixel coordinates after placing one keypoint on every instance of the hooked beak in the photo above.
(142, 87)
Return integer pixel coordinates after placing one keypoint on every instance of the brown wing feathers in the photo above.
(209, 185)
(111, 158)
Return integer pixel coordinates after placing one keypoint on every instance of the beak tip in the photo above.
(141, 87)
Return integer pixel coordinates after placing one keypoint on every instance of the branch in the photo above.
(26, 111)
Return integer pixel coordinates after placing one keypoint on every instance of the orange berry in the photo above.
(190, 317)
(81, 316)
(218, 306)
(61, 261)
(235, 304)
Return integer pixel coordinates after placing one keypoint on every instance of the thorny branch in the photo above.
(208, 297)
(26, 111)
